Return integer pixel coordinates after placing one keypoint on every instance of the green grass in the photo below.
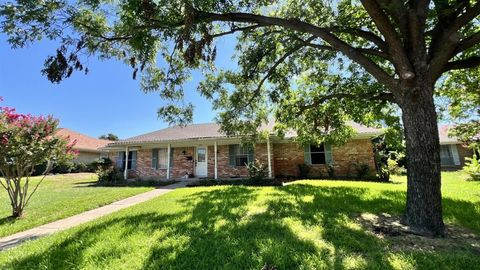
(61, 196)
(305, 225)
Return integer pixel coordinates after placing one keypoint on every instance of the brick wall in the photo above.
(287, 157)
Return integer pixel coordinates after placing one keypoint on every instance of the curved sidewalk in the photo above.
(66, 223)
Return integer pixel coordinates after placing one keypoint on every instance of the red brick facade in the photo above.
(285, 158)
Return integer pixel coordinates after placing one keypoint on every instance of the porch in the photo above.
(201, 159)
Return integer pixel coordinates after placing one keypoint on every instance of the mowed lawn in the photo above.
(60, 196)
(304, 225)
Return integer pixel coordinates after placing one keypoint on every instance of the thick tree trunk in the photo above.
(424, 198)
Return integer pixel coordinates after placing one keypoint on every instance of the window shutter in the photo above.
(251, 154)
(155, 158)
(231, 154)
(328, 153)
(307, 155)
(171, 158)
(134, 160)
(455, 156)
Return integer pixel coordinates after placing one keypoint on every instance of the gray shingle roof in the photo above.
(209, 130)
(443, 133)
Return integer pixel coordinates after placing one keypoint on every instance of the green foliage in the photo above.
(257, 171)
(109, 136)
(106, 170)
(393, 164)
(472, 167)
(63, 167)
(362, 170)
(304, 170)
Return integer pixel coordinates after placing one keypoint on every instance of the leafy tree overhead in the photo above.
(109, 136)
(314, 65)
(25, 142)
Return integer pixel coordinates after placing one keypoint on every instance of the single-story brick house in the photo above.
(88, 147)
(201, 150)
(452, 151)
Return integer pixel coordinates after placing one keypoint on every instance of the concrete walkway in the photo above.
(63, 224)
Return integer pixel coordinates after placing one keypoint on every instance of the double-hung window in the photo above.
(131, 160)
(240, 155)
(160, 158)
(318, 154)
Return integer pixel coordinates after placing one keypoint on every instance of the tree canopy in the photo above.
(109, 136)
(302, 61)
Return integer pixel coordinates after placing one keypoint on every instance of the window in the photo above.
(446, 157)
(131, 162)
(318, 154)
(160, 158)
(240, 155)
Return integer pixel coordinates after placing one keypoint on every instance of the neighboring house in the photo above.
(87, 147)
(200, 150)
(452, 151)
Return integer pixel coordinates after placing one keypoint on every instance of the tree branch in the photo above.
(447, 40)
(470, 62)
(396, 50)
(233, 30)
(468, 42)
(369, 36)
(386, 96)
(381, 75)
(276, 64)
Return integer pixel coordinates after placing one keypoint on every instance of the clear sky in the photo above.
(107, 100)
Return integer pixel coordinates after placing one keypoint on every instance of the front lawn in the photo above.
(305, 225)
(61, 196)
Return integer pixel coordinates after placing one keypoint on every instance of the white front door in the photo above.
(201, 158)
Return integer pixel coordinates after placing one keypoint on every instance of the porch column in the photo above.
(269, 158)
(169, 149)
(125, 172)
(215, 160)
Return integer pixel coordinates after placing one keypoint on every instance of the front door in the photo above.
(201, 158)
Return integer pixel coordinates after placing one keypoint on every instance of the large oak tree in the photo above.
(312, 64)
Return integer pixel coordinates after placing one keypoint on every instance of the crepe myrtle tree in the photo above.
(313, 65)
(25, 142)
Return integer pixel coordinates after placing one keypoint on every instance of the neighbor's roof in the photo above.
(84, 142)
(443, 133)
(211, 131)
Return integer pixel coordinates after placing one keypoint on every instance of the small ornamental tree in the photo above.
(27, 141)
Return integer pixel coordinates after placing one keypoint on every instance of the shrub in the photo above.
(472, 168)
(304, 170)
(257, 171)
(79, 167)
(105, 170)
(362, 170)
(393, 165)
(63, 167)
(330, 170)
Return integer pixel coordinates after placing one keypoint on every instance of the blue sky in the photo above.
(107, 100)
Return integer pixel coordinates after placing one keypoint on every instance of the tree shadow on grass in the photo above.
(292, 227)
